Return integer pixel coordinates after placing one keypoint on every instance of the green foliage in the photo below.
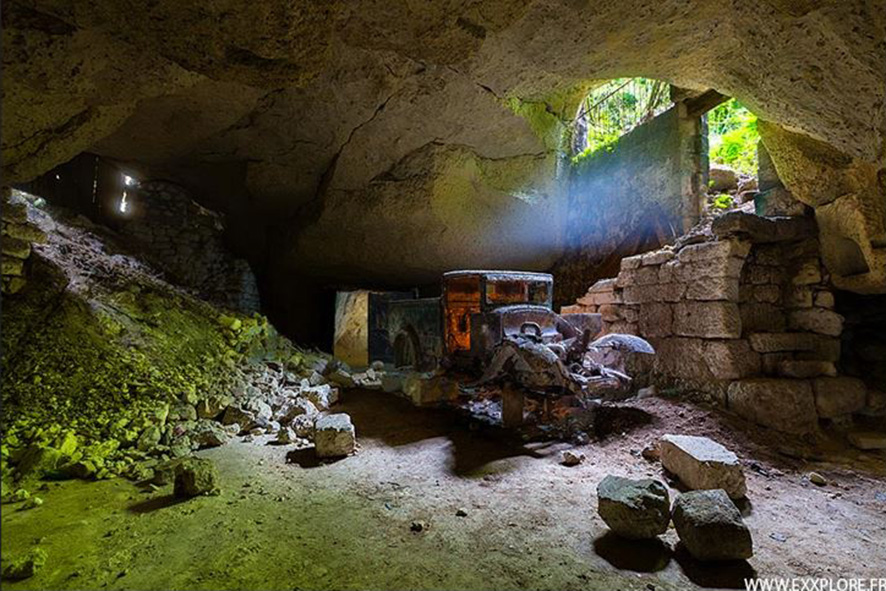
(617, 107)
(723, 201)
(733, 137)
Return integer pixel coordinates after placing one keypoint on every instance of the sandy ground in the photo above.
(285, 522)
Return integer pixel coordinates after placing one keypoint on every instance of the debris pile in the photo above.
(111, 370)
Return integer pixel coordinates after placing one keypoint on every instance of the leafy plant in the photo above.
(733, 137)
(617, 107)
(723, 201)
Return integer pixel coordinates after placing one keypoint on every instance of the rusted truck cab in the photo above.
(477, 309)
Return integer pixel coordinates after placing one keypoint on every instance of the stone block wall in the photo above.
(745, 318)
(185, 241)
(636, 196)
(18, 235)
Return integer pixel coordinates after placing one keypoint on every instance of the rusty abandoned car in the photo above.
(501, 325)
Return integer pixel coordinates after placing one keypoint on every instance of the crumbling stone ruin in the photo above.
(743, 315)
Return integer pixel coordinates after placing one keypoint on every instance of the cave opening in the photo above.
(386, 294)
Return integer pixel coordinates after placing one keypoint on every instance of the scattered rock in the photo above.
(207, 433)
(149, 438)
(570, 458)
(711, 527)
(295, 408)
(722, 179)
(213, 406)
(322, 396)
(650, 453)
(461, 513)
(334, 435)
(286, 436)
(303, 425)
(19, 495)
(341, 378)
(33, 503)
(236, 415)
(418, 526)
(25, 566)
(195, 477)
(701, 463)
(37, 461)
(182, 411)
(635, 509)
(817, 479)
(648, 392)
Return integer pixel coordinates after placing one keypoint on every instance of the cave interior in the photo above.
(488, 295)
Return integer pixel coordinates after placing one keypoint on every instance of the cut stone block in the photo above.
(806, 369)
(758, 317)
(702, 464)
(657, 257)
(719, 249)
(838, 396)
(334, 435)
(782, 404)
(771, 342)
(713, 289)
(681, 357)
(634, 509)
(731, 359)
(655, 320)
(426, 389)
(710, 526)
(707, 319)
(632, 262)
(817, 320)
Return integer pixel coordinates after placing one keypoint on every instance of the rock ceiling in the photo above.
(386, 139)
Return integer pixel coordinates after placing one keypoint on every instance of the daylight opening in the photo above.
(614, 109)
(732, 152)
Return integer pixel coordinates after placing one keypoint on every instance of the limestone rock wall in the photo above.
(186, 241)
(746, 319)
(341, 128)
(18, 236)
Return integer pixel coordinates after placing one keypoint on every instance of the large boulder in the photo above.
(334, 435)
(722, 179)
(635, 509)
(711, 527)
(196, 477)
(702, 463)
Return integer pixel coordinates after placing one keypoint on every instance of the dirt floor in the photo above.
(285, 522)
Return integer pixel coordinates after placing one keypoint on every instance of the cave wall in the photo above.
(634, 196)
(380, 142)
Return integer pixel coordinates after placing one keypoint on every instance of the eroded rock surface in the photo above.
(383, 141)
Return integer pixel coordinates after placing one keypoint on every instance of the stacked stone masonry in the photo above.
(745, 318)
(185, 240)
(18, 236)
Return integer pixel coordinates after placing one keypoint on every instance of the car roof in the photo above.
(500, 275)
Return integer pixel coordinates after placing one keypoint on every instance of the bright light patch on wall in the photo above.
(124, 206)
(128, 180)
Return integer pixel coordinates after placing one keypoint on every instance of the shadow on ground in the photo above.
(396, 422)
